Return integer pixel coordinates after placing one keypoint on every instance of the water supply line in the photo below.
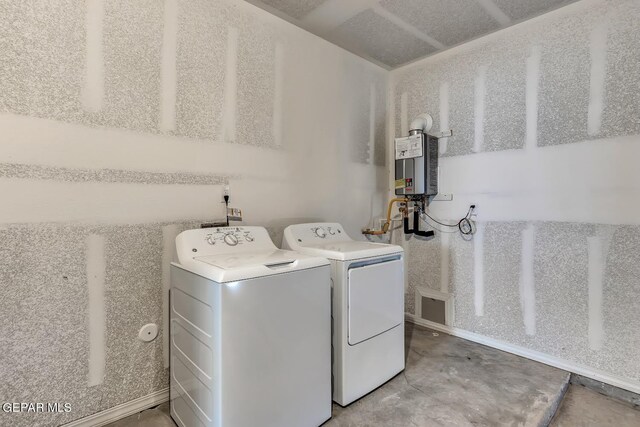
(387, 223)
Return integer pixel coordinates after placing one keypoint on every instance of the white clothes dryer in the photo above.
(368, 306)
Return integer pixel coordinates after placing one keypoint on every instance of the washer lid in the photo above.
(248, 260)
(229, 254)
(224, 268)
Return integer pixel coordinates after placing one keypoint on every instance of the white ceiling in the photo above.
(392, 33)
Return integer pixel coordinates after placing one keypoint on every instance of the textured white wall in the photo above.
(546, 141)
(121, 123)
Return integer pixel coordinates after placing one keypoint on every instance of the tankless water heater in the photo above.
(416, 166)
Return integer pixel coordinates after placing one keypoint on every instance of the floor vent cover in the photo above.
(434, 306)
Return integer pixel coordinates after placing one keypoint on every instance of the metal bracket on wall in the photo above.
(442, 197)
(444, 134)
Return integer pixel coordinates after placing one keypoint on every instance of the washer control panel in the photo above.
(222, 240)
(230, 236)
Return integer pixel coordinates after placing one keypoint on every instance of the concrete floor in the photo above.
(449, 381)
(156, 417)
(582, 407)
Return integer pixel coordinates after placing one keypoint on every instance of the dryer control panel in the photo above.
(222, 240)
(318, 233)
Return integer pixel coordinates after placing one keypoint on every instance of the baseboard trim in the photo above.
(123, 410)
(556, 362)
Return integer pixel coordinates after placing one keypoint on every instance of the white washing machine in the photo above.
(250, 332)
(368, 306)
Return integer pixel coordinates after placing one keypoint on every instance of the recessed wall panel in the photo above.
(132, 44)
(200, 68)
(622, 85)
(256, 81)
(564, 81)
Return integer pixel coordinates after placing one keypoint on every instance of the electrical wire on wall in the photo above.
(464, 226)
(226, 208)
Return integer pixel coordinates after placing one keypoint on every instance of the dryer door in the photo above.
(376, 299)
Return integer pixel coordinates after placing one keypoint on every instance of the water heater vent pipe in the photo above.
(421, 124)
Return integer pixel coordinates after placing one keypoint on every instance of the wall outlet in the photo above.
(234, 214)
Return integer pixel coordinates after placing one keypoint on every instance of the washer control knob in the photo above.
(249, 238)
(331, 231)
(321, 233)
(230, 239)
(210, 240)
